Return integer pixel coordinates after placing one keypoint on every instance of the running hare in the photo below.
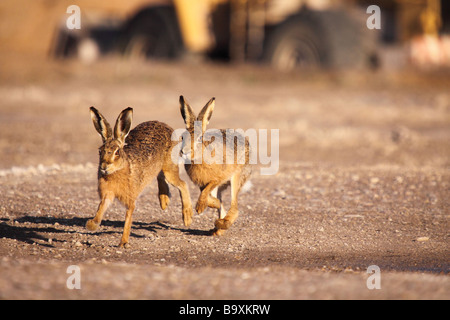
(230, 165)
(129, 160)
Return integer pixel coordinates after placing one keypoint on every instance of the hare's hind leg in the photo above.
(173, 177)
(106, 200)
(163, 191)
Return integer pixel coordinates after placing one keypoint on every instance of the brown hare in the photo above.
(129, 160)
(217, 158)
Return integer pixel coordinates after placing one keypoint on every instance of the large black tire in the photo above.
(329, 39)
(154, 34)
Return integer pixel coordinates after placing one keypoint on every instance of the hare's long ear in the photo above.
(123, 125)
(101, 125)
(206, 113)
(187, 113)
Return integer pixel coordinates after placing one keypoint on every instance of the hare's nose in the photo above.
(103, 168)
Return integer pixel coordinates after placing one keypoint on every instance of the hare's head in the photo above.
(112, 155)
(193, 145)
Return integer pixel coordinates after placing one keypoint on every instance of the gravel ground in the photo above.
(363, 180)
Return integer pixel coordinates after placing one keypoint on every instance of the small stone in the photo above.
(374, 180)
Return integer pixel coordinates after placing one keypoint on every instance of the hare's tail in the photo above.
(247, 186)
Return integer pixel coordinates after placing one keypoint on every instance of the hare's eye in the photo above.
(116, 153)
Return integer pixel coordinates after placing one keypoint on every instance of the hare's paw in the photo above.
(124, 245)
(91, 225)
(201, 206)
(222, 224)
(217, 232)
(187, 216)
(164, 201)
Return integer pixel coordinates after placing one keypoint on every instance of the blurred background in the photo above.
(285, 34)
(313, 68)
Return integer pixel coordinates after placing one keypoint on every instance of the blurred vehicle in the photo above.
(285, 33)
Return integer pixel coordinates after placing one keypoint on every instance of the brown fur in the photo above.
(129, 160)
(213, 178)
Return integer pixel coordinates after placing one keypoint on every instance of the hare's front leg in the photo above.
(206, 200)
(106, 200)
(127, 226)
(225, 223)
(163, 191)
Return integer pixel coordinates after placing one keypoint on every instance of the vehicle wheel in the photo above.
(295, 44)
(154, 34)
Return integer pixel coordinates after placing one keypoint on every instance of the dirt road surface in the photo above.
(363, 179)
